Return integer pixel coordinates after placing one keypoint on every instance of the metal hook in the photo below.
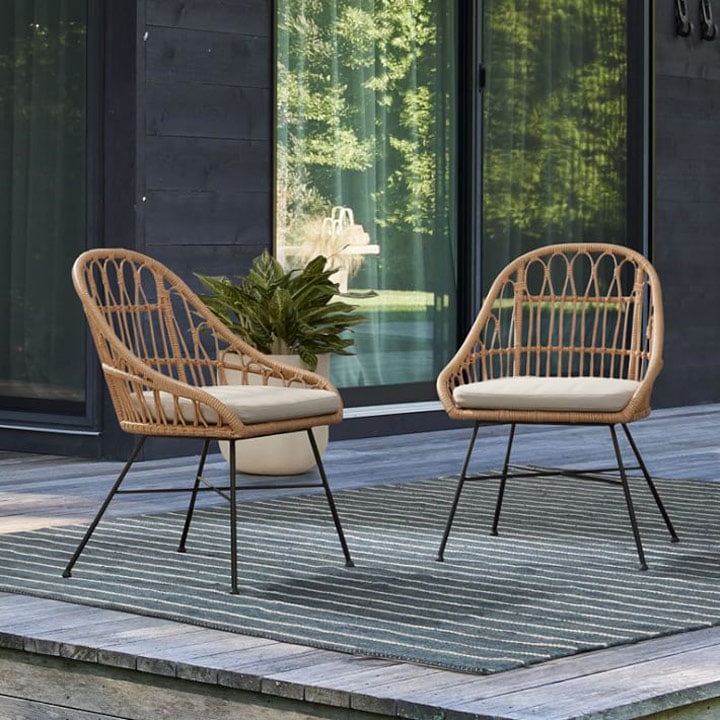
(709, 28)
(682, 22)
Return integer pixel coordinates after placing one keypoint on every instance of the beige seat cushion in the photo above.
(551, 394)
(253, 403)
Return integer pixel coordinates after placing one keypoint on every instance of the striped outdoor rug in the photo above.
(560, 579)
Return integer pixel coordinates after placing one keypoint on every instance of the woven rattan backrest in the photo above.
(592, 310)
(136, 305)
(159, 344)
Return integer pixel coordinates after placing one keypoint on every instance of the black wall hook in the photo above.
(708, 27)
(682, 22)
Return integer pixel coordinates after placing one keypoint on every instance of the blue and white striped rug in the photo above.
(561, 578)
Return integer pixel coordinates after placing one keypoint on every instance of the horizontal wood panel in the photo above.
(687, 97)
(28, 710)
(186, 260)
(695, 225)
(690, 144)
(210, 111)
(207, 218)
(58, 688)
(685, 57)
(248, 17)
(687, 187)
(178, 55)
(227, 166)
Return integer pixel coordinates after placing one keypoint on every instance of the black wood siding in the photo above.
(199, 145)
(206, 104)
(686, 243)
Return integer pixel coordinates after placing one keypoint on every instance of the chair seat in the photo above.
(550, 394)
(254, 403)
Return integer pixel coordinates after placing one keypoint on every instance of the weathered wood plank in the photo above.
(549, 674)
(247, 672)
(615, 694)
(195, 56)
(17, 709)
(211, 111)
(180, 218)
(251, 17)
(123, 694)
(313, 679)
(208, 164)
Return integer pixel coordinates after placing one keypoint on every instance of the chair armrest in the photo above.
(138, 399)
(266, 368)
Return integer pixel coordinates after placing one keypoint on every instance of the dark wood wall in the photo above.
(206, 105)
(686, 247)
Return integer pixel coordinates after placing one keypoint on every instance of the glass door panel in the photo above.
(366, 173)
(555, 126)
(42, 203)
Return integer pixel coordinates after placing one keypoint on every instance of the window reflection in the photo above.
(42, 201)
(366, 164)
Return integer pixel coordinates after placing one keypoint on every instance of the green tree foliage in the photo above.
(32, 55)
(556, 122)
(357, 92)
(367, 89)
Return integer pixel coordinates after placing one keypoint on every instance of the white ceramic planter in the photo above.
(287, 454)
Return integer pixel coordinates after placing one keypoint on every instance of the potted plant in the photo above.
(293, 314)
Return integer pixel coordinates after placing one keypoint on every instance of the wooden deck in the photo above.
(59, 660)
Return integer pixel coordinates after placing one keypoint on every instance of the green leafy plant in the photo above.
(282, 311)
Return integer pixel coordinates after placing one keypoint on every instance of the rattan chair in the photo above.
(568, 334)
(164, 359)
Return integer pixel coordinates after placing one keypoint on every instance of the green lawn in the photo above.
(393, 301)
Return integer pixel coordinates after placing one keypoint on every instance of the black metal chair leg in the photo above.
(503, 480)
(651, 485)
(628, 498)
(233, 522)
(88, 534)
(458, 491)
(330, 499)
(193, 496)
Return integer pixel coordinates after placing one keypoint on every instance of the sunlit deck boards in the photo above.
(82, 663)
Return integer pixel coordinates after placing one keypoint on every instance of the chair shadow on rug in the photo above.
(568, 334)
(164, 357)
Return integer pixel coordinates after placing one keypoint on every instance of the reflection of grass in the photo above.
(394, 301)
(569, 306)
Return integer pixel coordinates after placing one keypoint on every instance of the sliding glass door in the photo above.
(42, 204)
(421, 151)
(367, 150)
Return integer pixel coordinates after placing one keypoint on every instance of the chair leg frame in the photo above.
(628, 499)
(503, 481)
(458, 491)
(233, 521)
(113, 490)
(621, 469)
(330, 499)
(193, 496)
(656, 495)
(193, 499)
